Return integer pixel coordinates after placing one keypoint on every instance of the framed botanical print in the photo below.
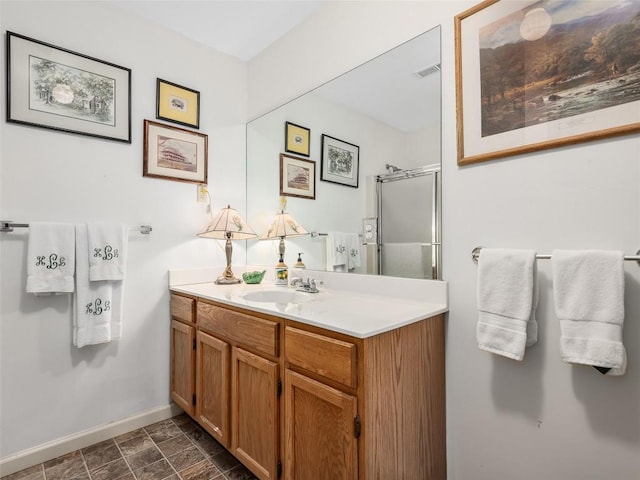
(340, 162)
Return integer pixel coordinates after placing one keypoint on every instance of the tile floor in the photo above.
(174, 449)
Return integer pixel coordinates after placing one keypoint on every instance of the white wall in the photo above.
(539, 418)
(48, 388)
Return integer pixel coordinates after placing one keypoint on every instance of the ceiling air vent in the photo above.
(428, 71)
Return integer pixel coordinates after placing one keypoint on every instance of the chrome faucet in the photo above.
(308, 285)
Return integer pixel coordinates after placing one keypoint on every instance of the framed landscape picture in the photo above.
(174, 153)
(340, 162)
(297, 177)
(55, 88)
(541, 74)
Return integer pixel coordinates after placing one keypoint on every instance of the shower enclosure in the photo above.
(407, 224)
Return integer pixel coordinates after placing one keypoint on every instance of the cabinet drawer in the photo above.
(326, 356)
(252, 332)
(182, 308)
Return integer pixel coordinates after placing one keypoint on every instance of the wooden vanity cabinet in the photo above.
(350, 408)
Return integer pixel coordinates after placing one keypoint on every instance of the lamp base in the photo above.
(227, 277)
(222, 280)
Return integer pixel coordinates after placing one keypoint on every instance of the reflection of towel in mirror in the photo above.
(352, 242)
(336, 251)
(588, 289)
(50, 258)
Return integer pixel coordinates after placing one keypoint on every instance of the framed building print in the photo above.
(58, 89)
(297, 177)
(174, 153)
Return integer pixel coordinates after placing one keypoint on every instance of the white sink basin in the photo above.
(277, 296)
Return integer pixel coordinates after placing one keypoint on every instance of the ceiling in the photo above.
(241, 28)
(385, 88)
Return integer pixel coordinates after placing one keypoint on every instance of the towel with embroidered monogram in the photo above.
(107, 250)
(50, 258)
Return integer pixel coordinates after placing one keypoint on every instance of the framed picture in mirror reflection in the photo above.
(297, 139)
(340, 162)
(297, 177)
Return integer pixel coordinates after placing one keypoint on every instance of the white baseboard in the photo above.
(50, 450)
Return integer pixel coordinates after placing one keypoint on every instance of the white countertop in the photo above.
(350, 312)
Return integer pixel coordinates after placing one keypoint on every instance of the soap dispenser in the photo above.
(282, 272)
(299, 263)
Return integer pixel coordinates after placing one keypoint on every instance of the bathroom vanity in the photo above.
(334, 385)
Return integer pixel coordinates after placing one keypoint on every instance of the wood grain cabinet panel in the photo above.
(320, 431)
(326, 356)
(183, 365)
(254, 400)
(256, 334)
(183, 308)
(212, 386)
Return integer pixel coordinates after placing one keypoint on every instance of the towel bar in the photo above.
(475, 253)
(8, 226)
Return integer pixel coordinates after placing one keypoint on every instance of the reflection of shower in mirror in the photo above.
(392, 168)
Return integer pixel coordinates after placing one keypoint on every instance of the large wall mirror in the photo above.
(389, 108)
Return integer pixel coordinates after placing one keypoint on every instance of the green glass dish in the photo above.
(253, 277)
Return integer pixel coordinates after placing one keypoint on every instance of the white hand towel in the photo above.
(506, 292)
(107, 251)
(50, 258)
(336, 251)
(588, 290)
(97, 306)
(352, 241)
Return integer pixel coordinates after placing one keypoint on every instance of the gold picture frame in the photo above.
(531, 76)
(177, 104)
(297, 139)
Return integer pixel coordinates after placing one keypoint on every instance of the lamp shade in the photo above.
(283, 225)
(228, 221)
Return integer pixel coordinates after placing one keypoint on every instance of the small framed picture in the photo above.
(174, 153)
(297, 177)
(55, 88)
(296, 139)
(177, 104)
(340, 162)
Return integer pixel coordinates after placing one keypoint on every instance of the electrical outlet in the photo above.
(202, 193)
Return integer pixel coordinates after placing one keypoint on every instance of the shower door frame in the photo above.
(436, 212)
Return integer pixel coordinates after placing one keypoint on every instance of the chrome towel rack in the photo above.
(9, 225)
(475, 254)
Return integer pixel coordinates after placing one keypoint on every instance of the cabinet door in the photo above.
(183, 357)
(212, 386)
(320, 431)
(254, 412)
